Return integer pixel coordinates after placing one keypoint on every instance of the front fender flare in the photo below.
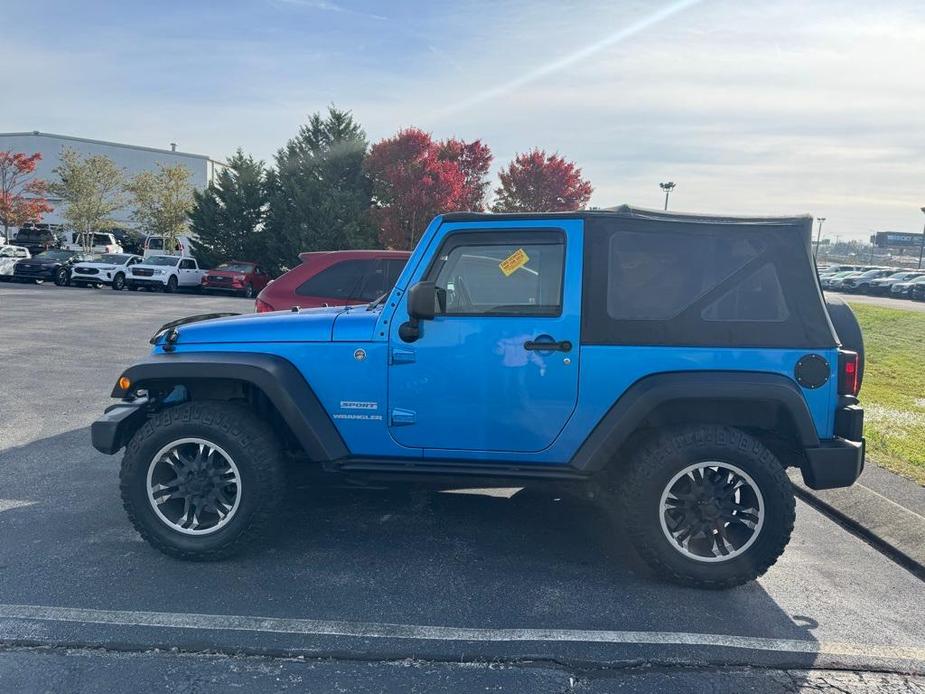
(278, 379)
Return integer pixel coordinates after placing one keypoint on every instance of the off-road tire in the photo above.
(640, 483)
(250, 443)
(118, 282)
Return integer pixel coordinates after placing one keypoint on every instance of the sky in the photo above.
(749, 106)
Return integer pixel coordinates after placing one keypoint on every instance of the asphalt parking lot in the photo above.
(382, 590)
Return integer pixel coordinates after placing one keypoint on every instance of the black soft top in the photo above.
(799, 222)
(667, 278)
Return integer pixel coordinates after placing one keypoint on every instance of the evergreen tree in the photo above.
(319, 194)
(228, 216)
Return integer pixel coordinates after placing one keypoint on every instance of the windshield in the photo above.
(114, 258)
(236, 267)
(162, 260)
(54, 255)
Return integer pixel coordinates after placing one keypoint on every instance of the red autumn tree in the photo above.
(22, 197)
(535, 182)
(474, 160)
(416, 178)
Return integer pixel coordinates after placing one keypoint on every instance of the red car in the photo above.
(334, 278)
(239, 276)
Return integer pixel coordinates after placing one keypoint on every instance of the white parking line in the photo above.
(314, 627)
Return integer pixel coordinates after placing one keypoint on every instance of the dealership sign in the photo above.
(884, 239)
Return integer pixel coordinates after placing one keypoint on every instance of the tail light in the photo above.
(262, 307)
(848, 376)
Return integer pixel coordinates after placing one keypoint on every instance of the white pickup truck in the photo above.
(166, 273)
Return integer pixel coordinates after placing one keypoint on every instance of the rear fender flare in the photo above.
(643, 397)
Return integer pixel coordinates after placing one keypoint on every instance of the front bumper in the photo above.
(112, 431)
(40, 274)
(146, 282)
(102, 279)
(236, 287)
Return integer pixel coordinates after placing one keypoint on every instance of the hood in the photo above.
(308, 325)
(227, 273)
(98, 266)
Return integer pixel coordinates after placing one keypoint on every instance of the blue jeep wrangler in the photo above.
(682, 361)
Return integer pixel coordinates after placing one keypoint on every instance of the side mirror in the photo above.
(422, 299)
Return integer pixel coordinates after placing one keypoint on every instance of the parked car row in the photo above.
(128, 271)
(876, 281)
(325, 278)
(37, 239)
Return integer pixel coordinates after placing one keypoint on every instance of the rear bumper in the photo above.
(112, 431)
(835, 463)
(838, 462)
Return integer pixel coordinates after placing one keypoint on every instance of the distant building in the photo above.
(133, 159)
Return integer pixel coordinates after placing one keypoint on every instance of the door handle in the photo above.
(533, 346)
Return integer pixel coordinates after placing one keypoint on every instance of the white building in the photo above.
(133, 159)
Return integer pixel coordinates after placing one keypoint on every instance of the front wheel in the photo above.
(61, 278)
(707, 506)
(248, 292)
(118, 282)
(202, 480)
(171, 285)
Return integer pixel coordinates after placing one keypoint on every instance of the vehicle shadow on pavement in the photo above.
(405, 555)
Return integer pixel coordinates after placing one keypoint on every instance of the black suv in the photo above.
(53, 265)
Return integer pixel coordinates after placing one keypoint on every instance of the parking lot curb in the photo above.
(885, 521)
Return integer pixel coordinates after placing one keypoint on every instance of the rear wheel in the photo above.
(707, 506)
(202, 480)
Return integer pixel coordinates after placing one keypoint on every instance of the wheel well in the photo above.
(767, 420)
(170, 393)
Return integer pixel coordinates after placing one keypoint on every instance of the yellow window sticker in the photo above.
(515, 260)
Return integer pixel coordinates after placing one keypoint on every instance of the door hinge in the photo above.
(400, 417)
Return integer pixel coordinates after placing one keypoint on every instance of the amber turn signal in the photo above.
(124, 383)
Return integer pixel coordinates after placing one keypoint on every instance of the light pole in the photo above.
(667, 187)
(922, 245)
(818, 235)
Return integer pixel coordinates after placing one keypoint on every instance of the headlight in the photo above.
(158, 272)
